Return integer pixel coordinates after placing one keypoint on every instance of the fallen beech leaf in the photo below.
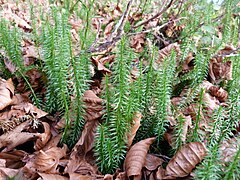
(30, 109)
(80, 166)
(8, 14)
(45, 176)
(16, 137)
(152, 162)
(121, 176)
(44, 137)
(46, 161)
(76, 176)
(210, 101)
(86, 141)
(219, 93)
(93, 106)
(137, 42)
(136, 124)
(165, 52)
(6, 173)
(136, 157)
(187, 124)
(6, 92)
(10, 65)
(160, 173)
(13, 159)
(185, 159)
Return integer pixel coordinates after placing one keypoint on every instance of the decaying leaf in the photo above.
(44, 137)
(93, 106)
(45, 176)
(136, 157)
(152, 162)
(165, 52)
(6, 173)
(219, 93)
(137, 42)
(6, 92)
(16, 137)
(46, 161)
(13, 159)
(86, 141)
(185, 159)
(136, 124)
(29, 108)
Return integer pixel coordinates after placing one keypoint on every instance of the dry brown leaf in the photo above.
(86, 141)
(108, 29)
(46, 161)
(53, 142)
(210, 102)
(121, 176)
(6, 92)
(219, 93)
(80, 166)
(152, 162)
(16, 137)
(136, 157)
(29, 108)
(13, 159)
(10, 65)
(99, 61)
(93, 106)
(137, 42)
(228, 149)
(45, 176)
(219, 70)
(44, 137)
(6, 173)
(185, 159)
(8, 14)
(160, 173)
(188, 63)
(76, 176)
(165, 52)
(187, 124)
(136, 124)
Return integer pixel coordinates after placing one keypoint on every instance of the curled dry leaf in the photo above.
(93, 106)
(137, 42)
(211, 102)
(136, 157)
(7, 173)
(16, 137)
(136, 124)
(185, 159)
(165, 52)
(13, 159)
(76, 176)
(29, 108)
(44, 137)
(86, 141)
(6, 92)
(8, 14)
(219, 93)
(46, 161)
(152, 162)
(45, 176)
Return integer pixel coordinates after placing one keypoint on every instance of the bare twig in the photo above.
(155, 28)
(156, 15)
(115, 36)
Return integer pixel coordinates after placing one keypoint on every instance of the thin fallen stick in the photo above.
(156, 15)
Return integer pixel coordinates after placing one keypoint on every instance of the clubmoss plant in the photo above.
(119, 112)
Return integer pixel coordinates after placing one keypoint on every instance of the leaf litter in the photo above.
(30, 139)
